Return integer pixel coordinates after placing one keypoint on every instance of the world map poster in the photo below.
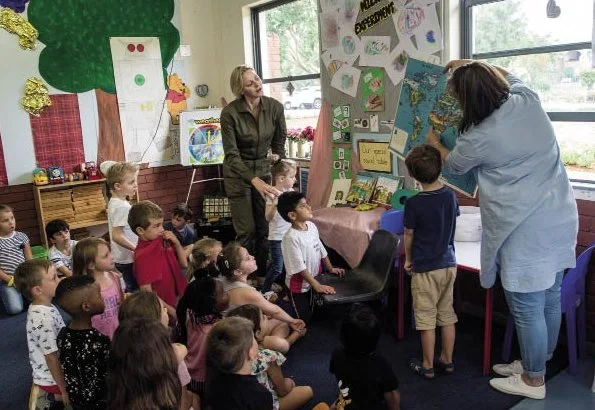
(424, 103)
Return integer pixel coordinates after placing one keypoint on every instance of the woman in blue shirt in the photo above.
(529, 214)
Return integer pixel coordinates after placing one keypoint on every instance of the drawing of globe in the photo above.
(205, 144)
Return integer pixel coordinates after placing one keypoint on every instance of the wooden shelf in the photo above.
(77, 225)
(67, 184)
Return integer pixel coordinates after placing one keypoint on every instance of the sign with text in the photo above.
(374, 156)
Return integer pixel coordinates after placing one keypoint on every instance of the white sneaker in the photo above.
(515, 385)
(508, 369)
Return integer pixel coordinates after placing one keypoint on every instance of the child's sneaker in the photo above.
(515, 385)
(508, 369)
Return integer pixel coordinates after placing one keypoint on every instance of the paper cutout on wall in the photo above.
(329, 29)
(349, 45)
(372, 89)
(342, 156)
(145, 130)
(177, 93)
(348, 12)
(57, 134)
(374, 156)
(341, 126)
(200, 138)
(346, 80)
(397, 64)
(16, 5)
(36, 96)
(77, 63)
(328, 5)
(375, 51)
(408, 19)
(375, 18)
(429, 34)
(17, 24)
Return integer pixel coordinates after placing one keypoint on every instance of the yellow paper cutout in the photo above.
(14, 23)
(36, 96)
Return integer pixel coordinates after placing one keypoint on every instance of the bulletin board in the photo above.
(371, 83)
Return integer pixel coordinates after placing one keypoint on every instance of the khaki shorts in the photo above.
(432, 298)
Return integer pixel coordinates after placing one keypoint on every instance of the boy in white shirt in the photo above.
(37, 280)
(121, 181)
(302, 253)
(58, 233)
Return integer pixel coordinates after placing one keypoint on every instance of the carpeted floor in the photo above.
(308, 364)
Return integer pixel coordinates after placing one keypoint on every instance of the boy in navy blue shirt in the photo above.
(430, 219)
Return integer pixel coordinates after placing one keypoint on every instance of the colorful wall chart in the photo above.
(200, 137)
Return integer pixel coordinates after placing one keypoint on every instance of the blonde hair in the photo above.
(118, 171)
(140, 304)
(236, 80)
(201, 252)
(281, 168)
(85, 252)
(141, 213)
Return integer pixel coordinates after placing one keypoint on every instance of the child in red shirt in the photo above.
(158, 256)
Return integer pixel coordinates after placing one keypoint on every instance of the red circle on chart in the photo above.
(131, 48)
(140, 48)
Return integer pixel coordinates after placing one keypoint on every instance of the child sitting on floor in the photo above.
(37, 280)
(198, 310)
(142, 368)
(231, 349)
(203, 259)
(366, 379)
(158, 256)
(84, 352)
(283, 172)
(14, 249)
(267, 366)
(92, 257)
(236, 264)
(430, 219)
(58, 233)
(302, 253)
(147, 305)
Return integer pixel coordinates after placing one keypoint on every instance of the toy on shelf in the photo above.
(56, 175)
(90, 170)
(40, 177)
(75, 176)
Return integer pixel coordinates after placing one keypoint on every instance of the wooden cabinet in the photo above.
(81, 204)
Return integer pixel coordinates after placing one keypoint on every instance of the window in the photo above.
(549, 48)
(287, 57)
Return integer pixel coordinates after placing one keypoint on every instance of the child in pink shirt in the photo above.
(92, 257)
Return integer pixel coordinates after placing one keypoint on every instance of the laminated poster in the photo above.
(372, 89)
(341, 126)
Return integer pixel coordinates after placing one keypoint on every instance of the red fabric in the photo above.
(319, 178)
(50, 389)
(3, 176)
(157, 264)
(57, 134)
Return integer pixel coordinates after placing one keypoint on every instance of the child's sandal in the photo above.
(416, 367)
(444, 368)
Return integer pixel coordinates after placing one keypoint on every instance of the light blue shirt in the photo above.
(528, 210)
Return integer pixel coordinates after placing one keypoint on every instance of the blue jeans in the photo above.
(126, 269)
(11, 299)
(275, 268)
(537, 317)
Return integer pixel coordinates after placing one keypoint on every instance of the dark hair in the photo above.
(143, 368)
(141, 213)
(69, 295)
(199, 304)
(424, 163)
(29, 274)
(250, 312)
(55, 226)
(183, 210)
(480, 89)
(228, 344)
(230, 259)
(288, 202)
(360, 330)
(140, 304)
(5, 208)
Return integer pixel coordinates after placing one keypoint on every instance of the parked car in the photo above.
(310, 97)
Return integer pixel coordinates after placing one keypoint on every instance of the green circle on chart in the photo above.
(139, 79)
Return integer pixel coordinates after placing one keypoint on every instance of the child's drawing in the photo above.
(375, 51)
(329, 30)
(397, 64)
(346, 80)
(408, 19)
(429, 35)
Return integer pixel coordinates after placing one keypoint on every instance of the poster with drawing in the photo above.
(141, 99)
(341, 126)
(349, 44)
(372, 89)
(329, 29)
(375, 51)
(200, 137)
(428, 36)
(342, 162)
(346, 80)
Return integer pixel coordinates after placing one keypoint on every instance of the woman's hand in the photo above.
(265, 189)
(454, 64)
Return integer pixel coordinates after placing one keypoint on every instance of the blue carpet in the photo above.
(308, 364)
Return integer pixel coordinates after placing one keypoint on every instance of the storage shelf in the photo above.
(67, 184)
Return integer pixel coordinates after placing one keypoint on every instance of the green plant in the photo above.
(588, 78)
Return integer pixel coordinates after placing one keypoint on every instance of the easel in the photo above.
(192, 181)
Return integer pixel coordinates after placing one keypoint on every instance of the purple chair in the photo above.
(393, 221)
(573, 305)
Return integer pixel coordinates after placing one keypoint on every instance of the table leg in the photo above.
(487, 334)
(401, 302)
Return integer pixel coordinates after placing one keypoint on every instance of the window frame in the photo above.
(256, 47)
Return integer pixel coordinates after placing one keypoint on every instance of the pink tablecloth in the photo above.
(347, 231)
